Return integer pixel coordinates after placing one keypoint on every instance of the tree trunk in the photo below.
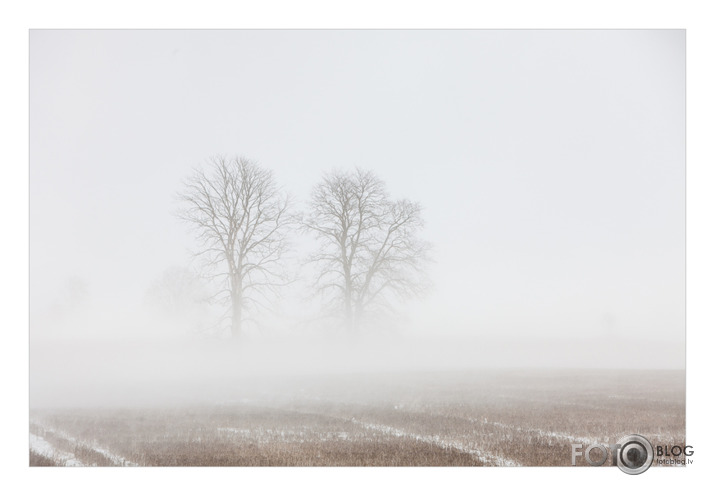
(349, 318)
(236, 318)
(357, 319)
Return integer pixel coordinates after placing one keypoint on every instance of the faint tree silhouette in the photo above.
(181, 297)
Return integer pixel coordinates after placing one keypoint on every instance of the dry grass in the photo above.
(450, 419)
(38, 460)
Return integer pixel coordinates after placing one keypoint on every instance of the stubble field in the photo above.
(475, 418)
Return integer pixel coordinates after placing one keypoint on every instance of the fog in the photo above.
(549, 167)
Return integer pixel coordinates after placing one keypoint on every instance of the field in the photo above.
(475, 418)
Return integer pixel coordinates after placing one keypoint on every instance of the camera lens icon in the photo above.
(635, 455)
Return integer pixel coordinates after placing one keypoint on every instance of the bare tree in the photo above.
(241, 218)
(369, 245)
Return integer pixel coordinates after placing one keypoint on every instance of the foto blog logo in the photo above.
(633, 454)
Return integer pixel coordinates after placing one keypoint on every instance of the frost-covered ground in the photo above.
(509, 418)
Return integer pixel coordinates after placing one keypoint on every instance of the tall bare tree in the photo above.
(241, 218)
(370, 250)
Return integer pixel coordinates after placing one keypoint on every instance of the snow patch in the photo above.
(40, 446)
(115, 459)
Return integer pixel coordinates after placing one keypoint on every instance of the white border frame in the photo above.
(41, 14)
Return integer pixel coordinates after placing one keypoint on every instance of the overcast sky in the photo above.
(550, 164)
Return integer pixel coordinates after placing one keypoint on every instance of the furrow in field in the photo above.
(540, 432)
(486, 458)
(42, 447)
(563, 436)
(117, 460)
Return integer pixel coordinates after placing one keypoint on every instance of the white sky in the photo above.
(551, 164)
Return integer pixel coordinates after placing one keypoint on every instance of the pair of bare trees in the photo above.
(369, 250)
